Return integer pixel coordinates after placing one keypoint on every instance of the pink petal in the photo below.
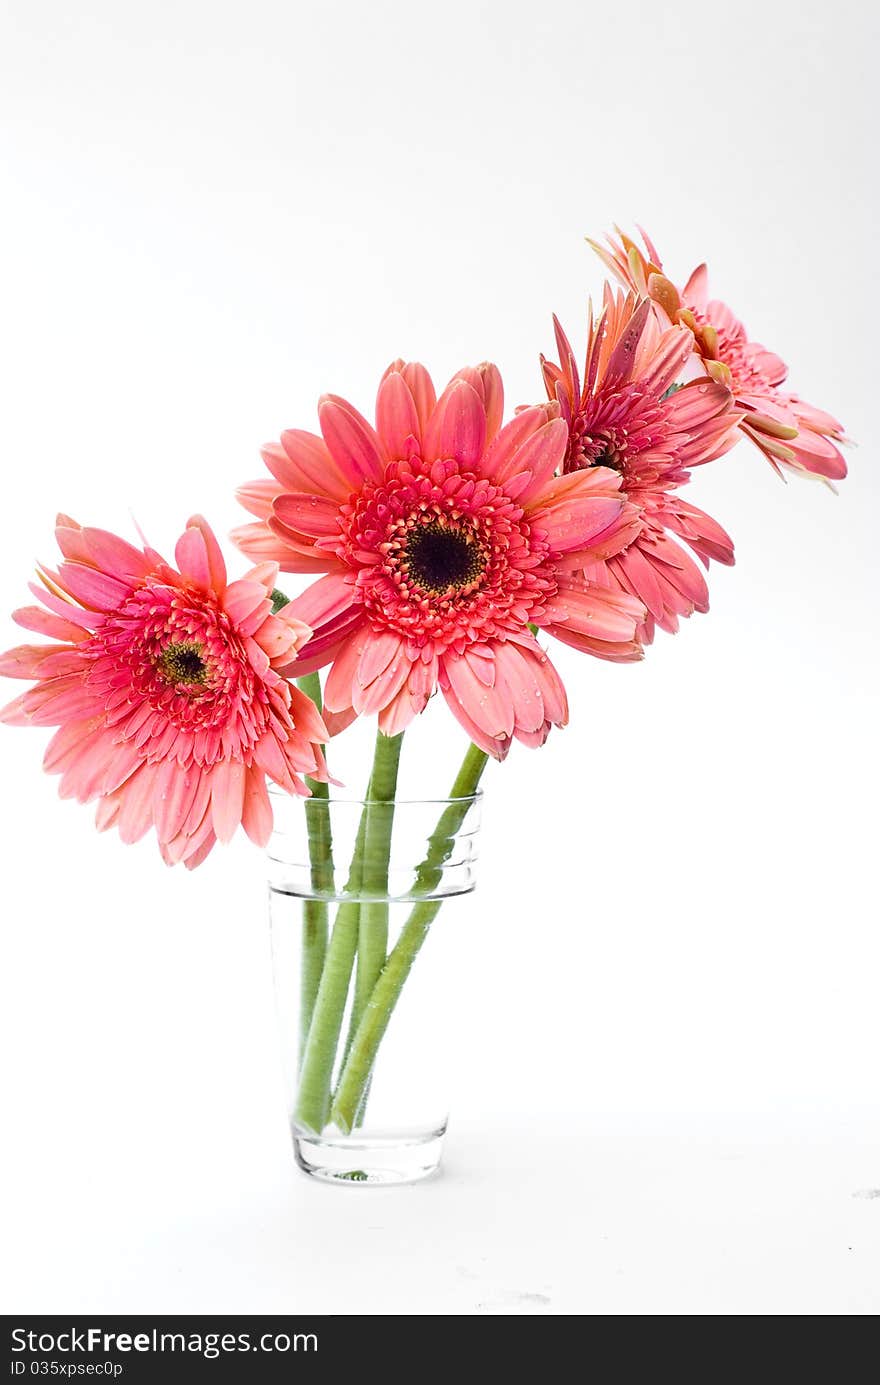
(69, 538)
(667, 575)
(354, 446)
(592, 610)
(122, 764)
(216, 563)
(696, 403)
(323, 648)
(44, 623)
(191, 556)
(815, 454)
(499, 461)
(256, 816)
(66, 741)
(261, 544)
(493, 399)
(26, 660)
(642, 581)
(384, 687)
(198, 556)
(539, 457)
(114, 556)
(61, 699)
(649, 246)
(337, 722)
(457, 428)
(199, 847)
(175, 794)
(257, 657)
(308, 466)
(59, 662)
(197, 838)
(664, 360)
(85, 767)
(568, 375)
(617, 651)
(422, 682)
(552, 688)
(771, 366)
(701, 531)
(497, 747)
(278, 640)
(486, 380)
(695, 293)
(323, 601)
(620, 365)
(816, 419)
(397, 419)
(297, 631)
(306, 717)
(571, 516)
(136, 805)
(308, 514)
(379, 650)
(675, 569)
(246, 604)
(227, 798)
(107, 813)
(516, 679)
(422, 388)
(269, 756)
(489, 708)
(265, 573)
(397, 714)
(92, 588)
(89, 620)
(481, 659)
(535, 739)
(342, 678)
(257, 497)
(13, 713)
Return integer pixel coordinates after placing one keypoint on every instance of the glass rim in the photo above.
(277, 792)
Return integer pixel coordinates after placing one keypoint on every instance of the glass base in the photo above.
(369, 1160)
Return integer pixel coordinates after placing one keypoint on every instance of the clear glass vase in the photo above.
(366, 912)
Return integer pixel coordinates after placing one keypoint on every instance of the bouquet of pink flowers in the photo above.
(438, 545)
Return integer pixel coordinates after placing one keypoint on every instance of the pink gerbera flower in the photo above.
(627, 416)
(443, 536)
(790, 432)
(165, 688)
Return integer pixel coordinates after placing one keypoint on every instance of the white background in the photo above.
(212, 214)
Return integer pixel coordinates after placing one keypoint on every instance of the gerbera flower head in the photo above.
(627, 414)
(791, 433)
(165, 686)
(443, 536)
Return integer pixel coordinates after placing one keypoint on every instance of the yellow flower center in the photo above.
(182, 663)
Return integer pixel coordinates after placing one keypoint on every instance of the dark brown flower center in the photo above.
(182, 663)
(440, 556)
(609, 456)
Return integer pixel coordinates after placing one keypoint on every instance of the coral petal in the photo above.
(458, 426)
(354, 446)
(397, 418)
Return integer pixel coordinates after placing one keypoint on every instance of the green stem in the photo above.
(373, 931)
(315, 920)
(319, 1052)
(372, 945)
(377, 1012)
(322, 1041)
